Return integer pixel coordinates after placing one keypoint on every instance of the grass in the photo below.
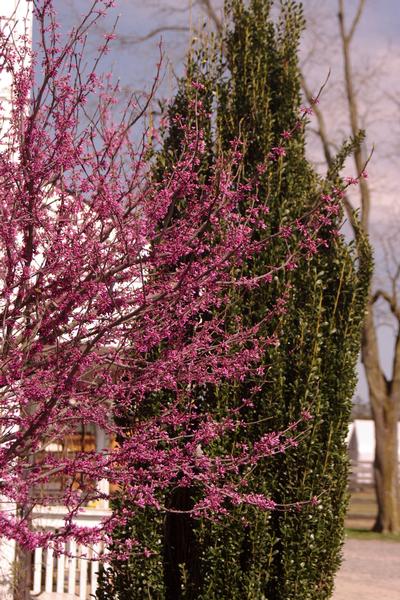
(361, 516)
(364, 534)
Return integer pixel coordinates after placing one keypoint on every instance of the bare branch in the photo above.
(208, 8)
(326, 144)
(353, 110)
(356, 20)
(124, 40)
(322, 131)
(391, 300)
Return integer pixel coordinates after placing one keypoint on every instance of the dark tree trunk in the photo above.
(181, 564)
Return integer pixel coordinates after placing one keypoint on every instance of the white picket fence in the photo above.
(72, 575)
(68, 577)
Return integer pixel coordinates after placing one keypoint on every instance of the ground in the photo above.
(371, 563)
(370, 570)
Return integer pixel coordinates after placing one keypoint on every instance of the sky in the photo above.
(376, 63)
(375, 53)
(379, 28)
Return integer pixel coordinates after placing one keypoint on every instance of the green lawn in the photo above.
(364, 534)
(361, 515)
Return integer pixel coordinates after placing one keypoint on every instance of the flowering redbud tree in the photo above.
(105, 301)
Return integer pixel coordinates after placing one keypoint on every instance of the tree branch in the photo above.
(126, 39)
(353, 109)
(391, 300)
(322, 131)
(211, 13)
(326, 146)
(356, 20)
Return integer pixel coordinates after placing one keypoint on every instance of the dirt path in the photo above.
(370, 571)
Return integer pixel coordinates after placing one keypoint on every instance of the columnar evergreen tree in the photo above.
(110, 295)
(253, 93)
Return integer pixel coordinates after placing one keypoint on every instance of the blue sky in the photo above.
(379, 27)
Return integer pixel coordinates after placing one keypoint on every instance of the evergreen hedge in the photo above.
(252, 89)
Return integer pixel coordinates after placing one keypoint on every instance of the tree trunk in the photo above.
(384, 397)
(386, 467)
(181, 560)
(22, 579)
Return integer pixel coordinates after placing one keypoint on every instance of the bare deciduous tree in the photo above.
(384, 391)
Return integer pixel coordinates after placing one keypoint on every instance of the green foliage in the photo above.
(141, 575)
(254, 93)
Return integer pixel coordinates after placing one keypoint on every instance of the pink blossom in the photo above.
(111, 298)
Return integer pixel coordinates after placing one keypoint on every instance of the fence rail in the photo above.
(362, 474)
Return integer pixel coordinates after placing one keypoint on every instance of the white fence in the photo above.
(72, 575)
(66, 577)
(362, 474)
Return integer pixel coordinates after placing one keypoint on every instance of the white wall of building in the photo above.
(15, 20)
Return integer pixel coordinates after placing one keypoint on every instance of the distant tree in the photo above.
(384, 391)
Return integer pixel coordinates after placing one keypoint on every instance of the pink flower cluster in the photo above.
(110, 285)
